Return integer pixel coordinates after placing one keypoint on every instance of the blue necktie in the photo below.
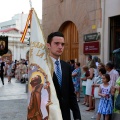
(58, 73)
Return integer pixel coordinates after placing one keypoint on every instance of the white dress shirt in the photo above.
(53, 59)
(114, 75)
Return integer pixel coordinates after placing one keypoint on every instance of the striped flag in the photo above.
(28, 22)
(43, 103)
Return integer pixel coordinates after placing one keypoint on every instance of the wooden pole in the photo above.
(30, 3)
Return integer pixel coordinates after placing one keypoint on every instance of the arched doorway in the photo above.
(71, 50)
(7, 56)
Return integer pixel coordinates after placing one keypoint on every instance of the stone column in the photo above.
(18, 52)
(14, 53)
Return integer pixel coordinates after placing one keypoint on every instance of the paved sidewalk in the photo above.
(13, 102)
(12, 90)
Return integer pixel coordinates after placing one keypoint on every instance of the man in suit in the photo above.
(62, 80)
(2, 67)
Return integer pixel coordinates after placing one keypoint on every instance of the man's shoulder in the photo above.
(115, 71)
(64, 63)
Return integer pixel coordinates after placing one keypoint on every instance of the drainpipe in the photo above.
(103, 29)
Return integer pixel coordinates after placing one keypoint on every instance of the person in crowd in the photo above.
(112, 72)
(62, 78)
(9, 70)
(99, 60)
(116, 91)
(72, 63)
(85, 74)
(97, 82)
(95, 58)
(17, 72)
(76, 74)
(113, 77)
(100, 65)
(105, 104)
(2, 69)
(90, 80)
(13, 68)
(89, 60)
(23, 70)
(68, 61)
(26, 62)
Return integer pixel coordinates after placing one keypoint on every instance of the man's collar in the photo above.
(110, 71)
(53, 59)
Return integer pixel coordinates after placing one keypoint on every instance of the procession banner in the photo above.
(42, 99)
(3, 45)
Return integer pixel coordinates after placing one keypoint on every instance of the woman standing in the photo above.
(17, 72)
(9, 70)
(23, 70)
(76, 74)
(84, 80)
(90, 80)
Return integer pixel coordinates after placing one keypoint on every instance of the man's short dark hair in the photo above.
(110, 65)
(50, 37)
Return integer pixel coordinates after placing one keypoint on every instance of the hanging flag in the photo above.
(28, 22)
(42, 99)
(3, 45)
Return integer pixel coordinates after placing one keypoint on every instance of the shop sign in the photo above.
(3, 45)
(91, 48)
(91, 37)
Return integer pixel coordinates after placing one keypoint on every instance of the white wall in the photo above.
(18, 21)
(112, 8)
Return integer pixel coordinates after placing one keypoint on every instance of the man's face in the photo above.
(107, 68)
(56, 47)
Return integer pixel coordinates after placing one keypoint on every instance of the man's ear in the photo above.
(48, 45)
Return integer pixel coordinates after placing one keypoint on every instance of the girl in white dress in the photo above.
(105, 105)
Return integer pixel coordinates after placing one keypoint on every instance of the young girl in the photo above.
(105, 105)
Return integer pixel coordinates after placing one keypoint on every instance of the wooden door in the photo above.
(71, 41)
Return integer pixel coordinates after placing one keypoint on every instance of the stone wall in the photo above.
(83, 13)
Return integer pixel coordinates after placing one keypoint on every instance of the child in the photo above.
(105, 105)
(83, 78)
(97, 82)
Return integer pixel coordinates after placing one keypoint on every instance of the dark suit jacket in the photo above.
(65, 94)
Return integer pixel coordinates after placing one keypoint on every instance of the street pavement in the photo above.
(13, 102)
